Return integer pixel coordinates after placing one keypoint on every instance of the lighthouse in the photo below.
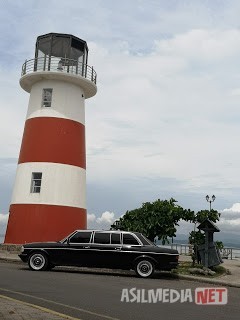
(49, 194)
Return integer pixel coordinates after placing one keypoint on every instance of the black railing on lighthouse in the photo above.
(60, 65)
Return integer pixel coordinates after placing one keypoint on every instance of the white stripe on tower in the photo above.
(68, 101)
(61, 185)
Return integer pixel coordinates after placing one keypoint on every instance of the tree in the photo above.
(155, 219)
(197, 238)
(212, 215)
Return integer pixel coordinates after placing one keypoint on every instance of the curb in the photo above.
(208, 280)
(39, 308)
(13, 260)
(9, 256)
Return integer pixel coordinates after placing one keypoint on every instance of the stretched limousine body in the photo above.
(101, 249)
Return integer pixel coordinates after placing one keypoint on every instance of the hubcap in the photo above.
(37, 261)
(144, 268)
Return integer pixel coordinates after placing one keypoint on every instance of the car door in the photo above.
(131, 248)
(79, 248)
(107, 249)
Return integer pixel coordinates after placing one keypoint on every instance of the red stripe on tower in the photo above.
(53, 140)
(42, 215)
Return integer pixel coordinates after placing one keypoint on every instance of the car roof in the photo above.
(97, 230)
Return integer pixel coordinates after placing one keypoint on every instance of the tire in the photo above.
(144, 268)
(38, 261)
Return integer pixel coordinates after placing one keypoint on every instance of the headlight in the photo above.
(22, 249)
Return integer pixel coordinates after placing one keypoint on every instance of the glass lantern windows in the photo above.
(68, 50)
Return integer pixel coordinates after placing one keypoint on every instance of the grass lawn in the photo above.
(184, 267)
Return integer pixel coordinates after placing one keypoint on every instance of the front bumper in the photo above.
(23, 257)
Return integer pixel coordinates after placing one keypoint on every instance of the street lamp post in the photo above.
(210, 200)
(206, 239)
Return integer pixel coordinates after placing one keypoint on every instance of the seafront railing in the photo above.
(187, 249)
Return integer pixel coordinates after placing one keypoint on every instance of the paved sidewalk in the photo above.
(12, 309)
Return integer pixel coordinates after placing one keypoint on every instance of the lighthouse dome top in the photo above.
(62, 57)
(63, 46)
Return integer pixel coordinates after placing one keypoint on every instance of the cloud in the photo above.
(171, 105)
(231, 216)
(231, 226)
(3, 218)
(3, 223)
(106, 218)
(230, 219)
(102, 222)
(7, 174)
(91, 217)
(235, 208)
(202, 45)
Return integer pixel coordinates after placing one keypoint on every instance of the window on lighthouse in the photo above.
(47, 97)
(36, 182)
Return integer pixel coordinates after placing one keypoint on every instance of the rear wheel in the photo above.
(144, 268)
(38, 261)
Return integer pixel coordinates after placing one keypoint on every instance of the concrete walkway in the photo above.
(11, 309)
(232, 279)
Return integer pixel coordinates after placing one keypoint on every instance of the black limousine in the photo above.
(101, 249)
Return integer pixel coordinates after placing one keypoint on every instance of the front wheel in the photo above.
(38, 261)
(50, 266)
(144, 268)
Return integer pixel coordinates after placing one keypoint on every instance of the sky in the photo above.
(165, 120)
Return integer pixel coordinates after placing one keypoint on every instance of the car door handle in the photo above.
(86, 247)
(117, 249)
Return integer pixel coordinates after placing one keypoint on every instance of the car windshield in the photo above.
(65, 239)
(145, 241)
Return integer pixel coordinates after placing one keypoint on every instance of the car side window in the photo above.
(81, 237)
(115, 238)
(102, 237)
(129, 239)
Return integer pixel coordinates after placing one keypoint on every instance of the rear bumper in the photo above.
(173, 264)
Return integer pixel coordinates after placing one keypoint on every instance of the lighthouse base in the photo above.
(40, 222)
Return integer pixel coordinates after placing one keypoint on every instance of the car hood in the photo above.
(42, 244)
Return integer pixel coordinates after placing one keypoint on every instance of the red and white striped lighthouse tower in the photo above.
(49, 196)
